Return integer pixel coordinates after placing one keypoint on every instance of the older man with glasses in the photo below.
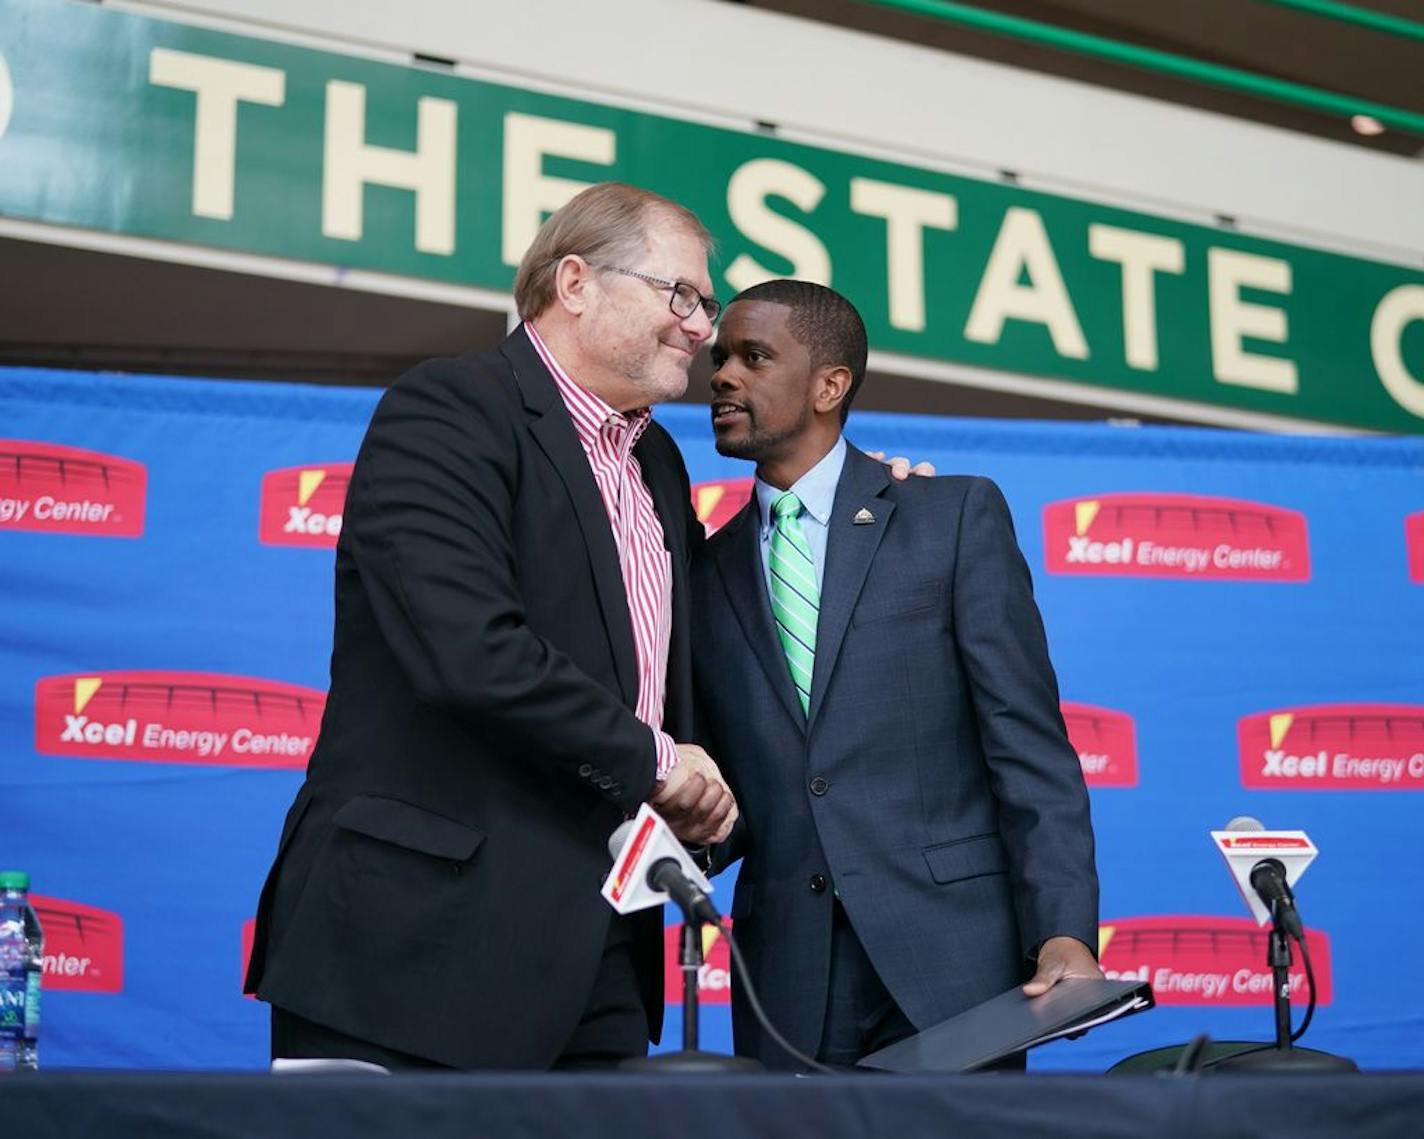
(510, 679)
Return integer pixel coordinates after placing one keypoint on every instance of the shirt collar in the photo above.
(816, 488)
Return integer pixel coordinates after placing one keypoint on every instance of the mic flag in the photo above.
(636, 847)
(1244, 847)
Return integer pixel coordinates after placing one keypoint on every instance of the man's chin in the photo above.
(668, 386)
(733, 446)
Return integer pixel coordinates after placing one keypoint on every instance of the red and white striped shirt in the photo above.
(608, 436)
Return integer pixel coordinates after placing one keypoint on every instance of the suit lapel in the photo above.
(554, 432)
(849, 551)
(738, 557)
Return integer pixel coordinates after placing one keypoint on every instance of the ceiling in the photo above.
(102, 311)
(1250, 35)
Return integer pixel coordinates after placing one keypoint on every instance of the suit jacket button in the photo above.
(818, 883)
(605, 781)
(585, 770)
(819, 786)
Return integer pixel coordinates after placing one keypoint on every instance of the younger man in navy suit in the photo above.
(876, 685)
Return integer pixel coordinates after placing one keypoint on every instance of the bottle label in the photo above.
(12, 1002)
(32, 1002)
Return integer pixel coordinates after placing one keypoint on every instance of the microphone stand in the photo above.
(691, 970)
(691, 1060)
(1278, 956)
(1284, 1056)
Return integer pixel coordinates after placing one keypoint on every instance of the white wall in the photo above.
(728, 64)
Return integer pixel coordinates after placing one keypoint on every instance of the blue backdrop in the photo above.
(144, 578)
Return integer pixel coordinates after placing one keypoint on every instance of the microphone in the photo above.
(650, 865)
(666, 875)
(1255, 857)
(1268, 879)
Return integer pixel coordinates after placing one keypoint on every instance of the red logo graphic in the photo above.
(249, 935)
(1192, 960)
(1264, 842)
(301, 506)
(1332, 747)
(63, 490)
(717, 502)
(714, 979)
(84, 946)
(1414, 543)
(1175, 535)
(177, 717)
(622, 874)
(1106, 743)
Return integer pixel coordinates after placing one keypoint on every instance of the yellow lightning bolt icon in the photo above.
(84, 689)
(307, 482)
(1084, 513)
(707, 499)
(1105, 934)
(1280, 724)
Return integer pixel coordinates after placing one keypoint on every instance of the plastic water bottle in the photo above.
(21, 965)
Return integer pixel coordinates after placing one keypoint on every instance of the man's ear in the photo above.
(572, 279)
(832, 386)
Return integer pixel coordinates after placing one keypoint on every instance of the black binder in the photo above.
(1012, 1022)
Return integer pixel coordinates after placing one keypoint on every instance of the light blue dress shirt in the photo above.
(817, 491)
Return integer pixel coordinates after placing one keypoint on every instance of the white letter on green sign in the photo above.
(220, 84)
(1022, 245)
(7, 95)
(1141, 255)
(530, 194)
(1232, 319)
(350, 163)
(747, 192)
(1399, 308)
(907, 212)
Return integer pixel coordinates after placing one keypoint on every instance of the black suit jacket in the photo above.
(932, 784)
(436, 886)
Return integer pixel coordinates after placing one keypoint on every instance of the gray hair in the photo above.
(603, 224)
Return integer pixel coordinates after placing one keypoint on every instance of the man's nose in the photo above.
(698, 325)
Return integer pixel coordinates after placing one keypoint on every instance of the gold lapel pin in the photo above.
(863, 517)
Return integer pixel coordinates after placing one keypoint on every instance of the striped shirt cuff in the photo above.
(667, 754)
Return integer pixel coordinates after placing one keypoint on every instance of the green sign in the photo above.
(116, 122)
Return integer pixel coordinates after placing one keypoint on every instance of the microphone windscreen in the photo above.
(1244, 823)
(618, 839)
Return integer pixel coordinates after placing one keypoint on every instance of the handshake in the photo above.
(694, 800)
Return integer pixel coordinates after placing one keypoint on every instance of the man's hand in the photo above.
(695, 800)
(1058, 959)
(900, 468)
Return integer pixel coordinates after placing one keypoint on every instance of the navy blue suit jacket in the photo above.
(932, 782)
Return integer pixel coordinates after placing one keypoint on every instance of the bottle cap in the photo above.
(14, 880)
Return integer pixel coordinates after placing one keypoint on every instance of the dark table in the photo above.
(74, 1105)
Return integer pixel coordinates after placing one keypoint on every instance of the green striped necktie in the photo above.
(795, 597)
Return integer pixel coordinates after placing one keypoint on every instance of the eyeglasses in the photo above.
(684, 300)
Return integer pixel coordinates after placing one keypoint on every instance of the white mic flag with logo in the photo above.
(636, 846)
(1244, 843)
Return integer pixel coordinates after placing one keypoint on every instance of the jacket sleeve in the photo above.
(1034, 771)
(429, 524)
